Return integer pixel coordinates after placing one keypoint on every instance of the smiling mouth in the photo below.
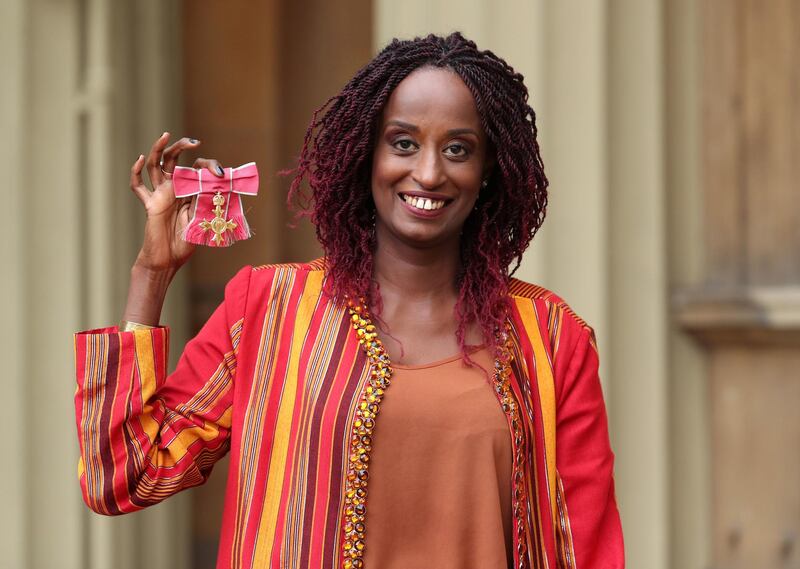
(424, 204)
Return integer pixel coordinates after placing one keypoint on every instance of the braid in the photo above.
(336, 161)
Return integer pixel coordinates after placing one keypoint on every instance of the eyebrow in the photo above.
(415, 128)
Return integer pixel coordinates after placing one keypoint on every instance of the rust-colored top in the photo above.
(440, 472)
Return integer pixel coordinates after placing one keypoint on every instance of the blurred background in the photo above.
(670, 132)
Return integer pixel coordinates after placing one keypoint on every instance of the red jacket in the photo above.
(279, 358)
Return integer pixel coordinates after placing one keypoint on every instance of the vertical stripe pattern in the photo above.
(275, 377)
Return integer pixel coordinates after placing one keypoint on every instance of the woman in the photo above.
(401, 403)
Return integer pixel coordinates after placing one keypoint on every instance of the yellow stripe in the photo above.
(280, 443)
(547, 395)
(177, 449)
(145, 361)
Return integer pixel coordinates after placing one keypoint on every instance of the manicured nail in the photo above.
(220, 171)
(193, 140)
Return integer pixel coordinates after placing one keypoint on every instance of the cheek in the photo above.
(386, 172)
(467, 177)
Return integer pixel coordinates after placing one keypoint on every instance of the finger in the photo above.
(173, 152)
(154, 160)
(137, 184)
(209, 163)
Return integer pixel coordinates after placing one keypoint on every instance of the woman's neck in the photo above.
(418, 294)
(414, 275)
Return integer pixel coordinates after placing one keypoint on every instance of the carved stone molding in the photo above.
(747, 315)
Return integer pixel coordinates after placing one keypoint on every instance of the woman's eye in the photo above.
(404, 145)
(457, 150)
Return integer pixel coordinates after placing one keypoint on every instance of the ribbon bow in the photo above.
(218, 217)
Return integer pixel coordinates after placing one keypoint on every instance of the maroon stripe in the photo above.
(106, 452)
(313, 451)
(338, 457)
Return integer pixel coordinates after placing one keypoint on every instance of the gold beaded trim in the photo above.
(357, 477)
(502, 386)
(361, 436)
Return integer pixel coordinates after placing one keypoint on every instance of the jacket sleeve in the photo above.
(588, 529)
(145, 435)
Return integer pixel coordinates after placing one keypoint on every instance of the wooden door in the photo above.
(747, 314)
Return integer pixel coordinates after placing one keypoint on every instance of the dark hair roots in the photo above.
(336, 160)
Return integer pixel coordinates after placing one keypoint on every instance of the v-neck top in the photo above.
(440, 471)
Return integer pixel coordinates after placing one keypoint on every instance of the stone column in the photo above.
(87, 85)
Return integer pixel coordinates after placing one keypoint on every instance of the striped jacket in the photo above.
(274, 378)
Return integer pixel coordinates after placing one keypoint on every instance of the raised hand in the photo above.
(167, 217)
(163, 251)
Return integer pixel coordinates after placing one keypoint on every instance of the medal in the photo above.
(218, 218)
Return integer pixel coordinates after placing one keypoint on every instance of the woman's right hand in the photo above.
(164, 249)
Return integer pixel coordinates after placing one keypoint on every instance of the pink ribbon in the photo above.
(218, 218)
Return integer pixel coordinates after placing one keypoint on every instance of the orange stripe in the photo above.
(280, 444)
(547, 396)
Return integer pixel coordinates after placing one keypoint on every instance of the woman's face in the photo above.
(429, 159)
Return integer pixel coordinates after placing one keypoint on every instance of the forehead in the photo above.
(431, 96)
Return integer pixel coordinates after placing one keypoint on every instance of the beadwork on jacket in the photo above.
(355, 504)
(278, 377)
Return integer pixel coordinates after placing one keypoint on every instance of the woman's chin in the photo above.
(421, 237)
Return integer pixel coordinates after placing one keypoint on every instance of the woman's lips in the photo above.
(423, 206)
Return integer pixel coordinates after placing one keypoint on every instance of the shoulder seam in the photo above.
(532, 292)
(568, 310)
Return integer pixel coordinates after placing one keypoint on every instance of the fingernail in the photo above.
(220, 171)
(163, 134)
(193, 140)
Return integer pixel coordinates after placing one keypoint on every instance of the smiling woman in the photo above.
(435, 119)
(402, 402)
(429, 161)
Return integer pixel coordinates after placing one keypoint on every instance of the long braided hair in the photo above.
(336, 161)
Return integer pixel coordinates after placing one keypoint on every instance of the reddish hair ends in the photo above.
(336, 157)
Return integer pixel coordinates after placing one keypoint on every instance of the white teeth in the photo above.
(423, 203)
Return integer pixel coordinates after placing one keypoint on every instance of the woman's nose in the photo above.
(428, 171)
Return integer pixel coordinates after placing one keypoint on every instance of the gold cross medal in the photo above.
(218, 217)
(219, 225)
